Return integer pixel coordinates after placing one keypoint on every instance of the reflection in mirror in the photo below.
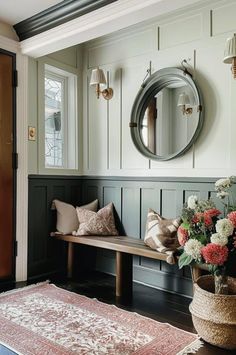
(170, 119)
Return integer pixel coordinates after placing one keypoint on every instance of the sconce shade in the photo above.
(183, 100)
(97, 77)
(230, 50)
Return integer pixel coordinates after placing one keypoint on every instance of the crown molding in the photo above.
(56, 15)
(105, 20)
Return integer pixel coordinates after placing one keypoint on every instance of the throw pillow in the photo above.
(100, 223)
(67, 220)
(161, 234)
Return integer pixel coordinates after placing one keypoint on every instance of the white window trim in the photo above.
(59, 69)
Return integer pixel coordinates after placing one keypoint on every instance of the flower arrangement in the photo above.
(208, 235)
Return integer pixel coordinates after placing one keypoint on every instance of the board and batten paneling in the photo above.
(177, 32)
(45, 257)
(223, 17)
(132, 197)
(197, 35)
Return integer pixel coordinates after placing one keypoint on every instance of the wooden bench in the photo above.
(125, 248)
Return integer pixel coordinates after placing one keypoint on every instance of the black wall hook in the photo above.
(184, 63)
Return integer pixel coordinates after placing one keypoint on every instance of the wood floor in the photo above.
(149, 302)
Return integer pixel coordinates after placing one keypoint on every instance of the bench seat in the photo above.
(123, 244)
(125, 247)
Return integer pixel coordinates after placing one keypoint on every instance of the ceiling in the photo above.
(14, 11)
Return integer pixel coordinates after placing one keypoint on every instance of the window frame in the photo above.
(71, 109)
(48, 73)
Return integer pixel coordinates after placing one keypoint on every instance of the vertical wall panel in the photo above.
(121, 48)
(213, 146)
(114, 123)
(60, 192)
(169, 202)
(223, 18)
(91, 193)
(132, 78)
(75, 195)
(97, 132)
(131, 211)
(150, 198)
(40, 214)
(112, 194)
(184, 30)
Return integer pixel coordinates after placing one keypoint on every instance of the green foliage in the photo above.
(187, 215)
(212, 269)
(184, 260)
(204, 205)
(201, 238)
(185, 225)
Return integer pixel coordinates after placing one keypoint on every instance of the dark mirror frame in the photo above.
(155, 83)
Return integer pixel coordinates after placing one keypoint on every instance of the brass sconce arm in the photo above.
(97, 78)
(106, 93)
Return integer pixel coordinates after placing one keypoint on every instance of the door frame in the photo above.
(14, 161)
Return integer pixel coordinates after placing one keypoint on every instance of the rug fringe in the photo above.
(15, 290)
(192, 348)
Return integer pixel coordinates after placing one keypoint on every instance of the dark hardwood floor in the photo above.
(149, 302)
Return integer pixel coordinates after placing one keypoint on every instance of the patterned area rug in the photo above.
(46, 320)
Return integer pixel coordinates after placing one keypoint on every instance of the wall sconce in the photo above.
(97, 79)
(183, 101)
(230, 54)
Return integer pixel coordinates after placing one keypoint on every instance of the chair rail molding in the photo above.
(100, 22)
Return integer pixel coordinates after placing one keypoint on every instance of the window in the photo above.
(60, 119)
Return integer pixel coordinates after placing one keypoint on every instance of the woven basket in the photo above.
(214, 316)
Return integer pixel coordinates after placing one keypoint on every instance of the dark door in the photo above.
(7, 175)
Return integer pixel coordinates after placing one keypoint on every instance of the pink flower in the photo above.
(213, 212)
(215, 254)
(232, 217)
(203, 218)
(183, 236)
(207, 220)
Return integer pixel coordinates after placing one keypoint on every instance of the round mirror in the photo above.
(166, 117)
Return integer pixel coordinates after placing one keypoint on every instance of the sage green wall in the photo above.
(197, 35)
(71, 58)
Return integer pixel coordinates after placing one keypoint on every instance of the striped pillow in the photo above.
(161, 234)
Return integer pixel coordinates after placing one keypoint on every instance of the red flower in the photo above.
(183, 236)
(232, 217)
(203, 218)
(213, 212)
(215, 254)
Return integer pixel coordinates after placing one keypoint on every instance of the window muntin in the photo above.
(54, 119)
(60, 119)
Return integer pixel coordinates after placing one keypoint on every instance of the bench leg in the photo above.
(124, 274)
(70, 257)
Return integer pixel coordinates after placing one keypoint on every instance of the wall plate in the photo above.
(31, 133)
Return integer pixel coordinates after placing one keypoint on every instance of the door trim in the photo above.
(14, 151)
(22, 149)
